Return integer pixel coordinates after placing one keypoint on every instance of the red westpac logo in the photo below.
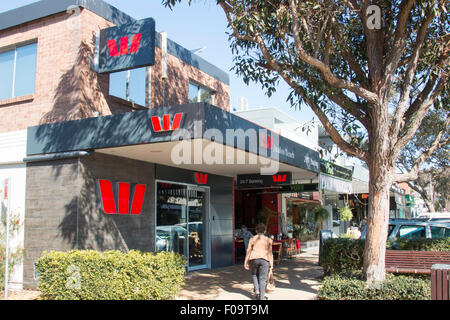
(201, 178)
(267, 141)
(124, 49)
(279, 177)
(120, 203)
(165, 125)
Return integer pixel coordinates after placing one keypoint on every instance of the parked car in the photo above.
(441, 216)
(415, 229)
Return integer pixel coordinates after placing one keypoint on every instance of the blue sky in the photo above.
(201, 25)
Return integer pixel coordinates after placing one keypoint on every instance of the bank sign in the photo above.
(128, 46)
(121, 197)
(258, 180)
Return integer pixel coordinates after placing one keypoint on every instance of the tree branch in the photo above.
(405, 91)
(413, 174)
(417, 118)
(325, 69)
(393, 57)
(334, 134)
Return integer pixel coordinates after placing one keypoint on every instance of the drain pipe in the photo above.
(57, 156)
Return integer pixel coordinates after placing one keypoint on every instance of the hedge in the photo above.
(341, 255)
(342, 261)
(345, 255)
(422, 244)
(352, 287)
(109, 275)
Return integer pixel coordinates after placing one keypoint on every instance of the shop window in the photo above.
(18, 70)
(199, 93)
(129, 85)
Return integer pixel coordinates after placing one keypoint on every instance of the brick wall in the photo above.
(122, 232)
(64, 212)
(66, 87)
(51, 202)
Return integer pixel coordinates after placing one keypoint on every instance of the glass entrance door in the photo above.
(197, 206)
(181, 222)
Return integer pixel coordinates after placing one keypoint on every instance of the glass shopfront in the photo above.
(182, 215)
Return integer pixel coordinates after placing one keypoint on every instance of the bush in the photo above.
(109, 275)
(341, 255)
(423, 244)
(351, 287)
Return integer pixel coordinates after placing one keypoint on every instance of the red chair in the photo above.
(290, 248)
(277, 250)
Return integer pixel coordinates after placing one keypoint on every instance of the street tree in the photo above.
(370, 70)
(432, 182)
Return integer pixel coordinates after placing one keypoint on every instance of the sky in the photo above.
(203, 24)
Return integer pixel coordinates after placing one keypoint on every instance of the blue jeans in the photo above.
(260, 269)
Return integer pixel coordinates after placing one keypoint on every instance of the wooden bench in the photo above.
(420, 262)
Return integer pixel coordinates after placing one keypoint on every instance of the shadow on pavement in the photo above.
(296, 279)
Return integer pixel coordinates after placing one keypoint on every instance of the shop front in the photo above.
(300, 205)
(397, 203)
(336, 184)
(272, 200)
(152, 180)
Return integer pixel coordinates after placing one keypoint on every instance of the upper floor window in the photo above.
(130, 85)
(198, 93)
(18, 71)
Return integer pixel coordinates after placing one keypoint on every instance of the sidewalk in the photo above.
(296, 279)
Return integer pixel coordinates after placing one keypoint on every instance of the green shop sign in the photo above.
(333, 170)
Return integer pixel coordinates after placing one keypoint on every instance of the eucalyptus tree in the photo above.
(370, 70)
(433, 180)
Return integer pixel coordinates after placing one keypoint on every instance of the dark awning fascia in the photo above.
(134, 128)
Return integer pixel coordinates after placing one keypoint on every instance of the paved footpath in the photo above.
(296, 279)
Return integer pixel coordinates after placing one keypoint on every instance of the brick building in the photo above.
(66, 87)
(91, 155)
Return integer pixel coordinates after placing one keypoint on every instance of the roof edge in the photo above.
(45, 8)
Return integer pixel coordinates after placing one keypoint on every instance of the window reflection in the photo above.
(18, 71)
(198, 93)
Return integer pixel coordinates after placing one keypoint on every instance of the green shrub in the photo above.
(351, 287)
(341, 255)
(109, 275)
(423, 244)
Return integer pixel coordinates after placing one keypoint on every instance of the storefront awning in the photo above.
(196, 136)
(329, 183)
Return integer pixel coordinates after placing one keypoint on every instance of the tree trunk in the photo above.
(381, 171)
(377, 227)
(426, 197)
